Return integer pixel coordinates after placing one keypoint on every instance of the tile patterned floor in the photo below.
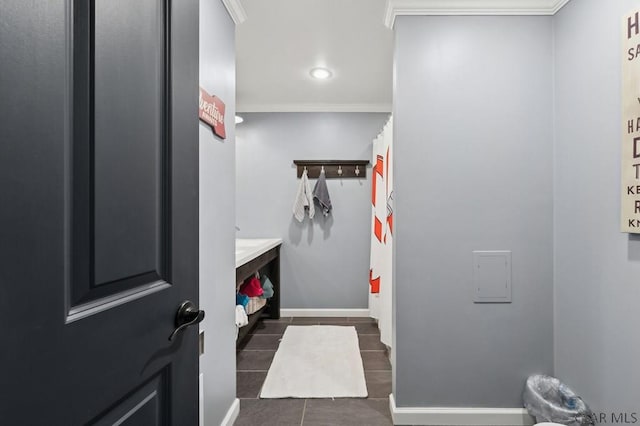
(254, 359)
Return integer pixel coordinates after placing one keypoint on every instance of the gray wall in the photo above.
(473, 151)
(217, 235)
(324, 263)
(597, 267)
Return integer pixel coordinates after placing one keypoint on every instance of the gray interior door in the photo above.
(98, 211)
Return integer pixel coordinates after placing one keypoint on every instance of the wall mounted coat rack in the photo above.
(333, 168)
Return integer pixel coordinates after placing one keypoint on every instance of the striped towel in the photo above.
(304, 199)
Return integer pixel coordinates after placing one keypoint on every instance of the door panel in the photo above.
(128, 85)
(121, 143)
(99, 232)
(145, 406)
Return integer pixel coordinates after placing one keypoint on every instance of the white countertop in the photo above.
(249, 249)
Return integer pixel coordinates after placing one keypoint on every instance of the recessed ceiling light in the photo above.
(320, 73)
(239, 119)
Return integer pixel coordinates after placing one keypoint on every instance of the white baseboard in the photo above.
(459, 416)
(232, 414)
(324, 312)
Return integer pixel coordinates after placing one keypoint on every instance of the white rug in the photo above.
(316, 361)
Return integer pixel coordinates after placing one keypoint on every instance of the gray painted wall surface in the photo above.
(597, 290)
(217, 215)
(473, 171)
(324, 263)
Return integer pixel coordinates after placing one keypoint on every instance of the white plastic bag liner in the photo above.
(549, 400)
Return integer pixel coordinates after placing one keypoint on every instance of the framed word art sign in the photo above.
(630, 153)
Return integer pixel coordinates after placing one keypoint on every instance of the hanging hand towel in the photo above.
(321, 193)
(304, 199)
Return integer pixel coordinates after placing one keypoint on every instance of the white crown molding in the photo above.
(470, 7)
(461, 416)
(242, 107)
(236, 10)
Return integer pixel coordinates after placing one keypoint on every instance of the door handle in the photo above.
(187, 315)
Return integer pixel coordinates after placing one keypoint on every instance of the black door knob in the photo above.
(188, 314)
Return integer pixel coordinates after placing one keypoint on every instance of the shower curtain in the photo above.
(380, 272)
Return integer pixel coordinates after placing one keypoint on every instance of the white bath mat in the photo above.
(316, 361)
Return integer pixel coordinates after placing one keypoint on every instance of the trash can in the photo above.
(549, 400)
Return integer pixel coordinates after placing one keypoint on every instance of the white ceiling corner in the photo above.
(470, 7)
(284, 39)
(235, 9)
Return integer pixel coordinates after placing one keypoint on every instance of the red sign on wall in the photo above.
(211, 111)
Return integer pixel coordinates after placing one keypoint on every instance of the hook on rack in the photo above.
(332, 168)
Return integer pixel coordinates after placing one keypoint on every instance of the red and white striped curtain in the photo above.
(381, 272)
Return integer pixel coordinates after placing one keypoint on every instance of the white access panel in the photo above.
(492, 276)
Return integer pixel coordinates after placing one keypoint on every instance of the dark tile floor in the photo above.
(254, 359)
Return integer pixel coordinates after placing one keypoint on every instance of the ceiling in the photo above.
(280, 41)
